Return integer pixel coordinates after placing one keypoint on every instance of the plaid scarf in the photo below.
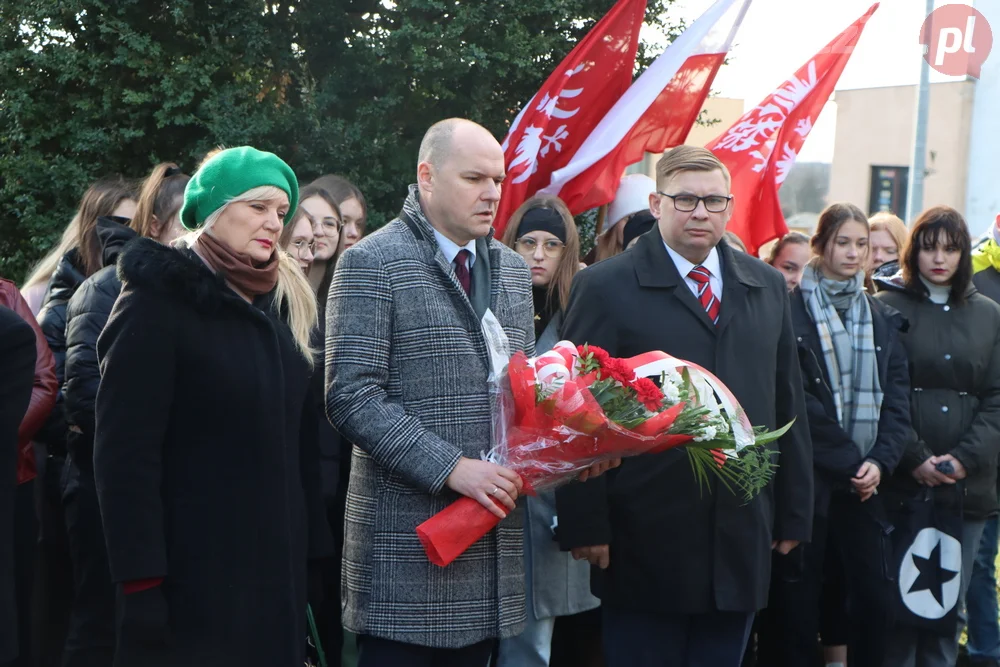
(848, 346)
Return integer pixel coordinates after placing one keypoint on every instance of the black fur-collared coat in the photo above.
(206, 462)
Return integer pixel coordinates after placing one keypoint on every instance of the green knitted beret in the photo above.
(230, 173)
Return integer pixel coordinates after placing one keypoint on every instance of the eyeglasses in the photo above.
(301, 245)
(526, 247)
(333, 223)
(688, 203)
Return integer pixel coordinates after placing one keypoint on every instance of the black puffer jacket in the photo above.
(86, 315)
(835, 456)
(66, 279)
(954, 358)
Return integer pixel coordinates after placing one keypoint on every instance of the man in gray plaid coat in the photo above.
(407, 365)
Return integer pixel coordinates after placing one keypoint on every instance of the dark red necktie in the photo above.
(462, 271)
(701, 275)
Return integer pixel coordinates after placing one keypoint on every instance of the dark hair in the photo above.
(100, 200)
(314, 190)
(162, 196)
(342, 190)
(926, 233)
(831, 220)
(790, 238)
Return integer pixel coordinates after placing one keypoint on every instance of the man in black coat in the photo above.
(687, 567)
(17, 378)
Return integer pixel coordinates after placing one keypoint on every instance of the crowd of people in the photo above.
(225, 410)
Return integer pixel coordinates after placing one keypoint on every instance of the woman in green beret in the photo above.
(205, 456)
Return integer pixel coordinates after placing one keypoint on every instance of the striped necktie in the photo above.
(709, 302)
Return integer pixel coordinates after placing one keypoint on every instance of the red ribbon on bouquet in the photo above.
(550, 442)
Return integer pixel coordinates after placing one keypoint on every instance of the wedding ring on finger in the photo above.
(495, 491)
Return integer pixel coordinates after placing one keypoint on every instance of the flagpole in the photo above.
(915, 187)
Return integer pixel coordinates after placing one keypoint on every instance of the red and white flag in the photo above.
(656, 113)
(761, 147)
(552, 126)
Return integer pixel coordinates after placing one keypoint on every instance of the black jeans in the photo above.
(789, 627)
(91, 638)
(377, 652)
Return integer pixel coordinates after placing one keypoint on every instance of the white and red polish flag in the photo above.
(781, 121)
(657, 111)
(551, 127)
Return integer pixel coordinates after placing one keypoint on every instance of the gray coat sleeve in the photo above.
(359, 331)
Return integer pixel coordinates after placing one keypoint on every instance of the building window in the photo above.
(888, 190)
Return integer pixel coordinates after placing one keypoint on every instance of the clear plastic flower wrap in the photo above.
(556, 415)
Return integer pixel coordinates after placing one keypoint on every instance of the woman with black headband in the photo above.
(542, 231)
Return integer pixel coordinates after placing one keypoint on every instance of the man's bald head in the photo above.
(459, 173)
(439, 141)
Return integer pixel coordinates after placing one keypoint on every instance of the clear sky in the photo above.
(779, 36)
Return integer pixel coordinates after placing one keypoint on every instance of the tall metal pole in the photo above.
(915, 187)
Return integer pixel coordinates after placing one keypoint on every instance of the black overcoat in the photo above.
(202, 472)
(17, 379)
(677, 548)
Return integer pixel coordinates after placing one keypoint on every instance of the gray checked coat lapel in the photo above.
(406, 369)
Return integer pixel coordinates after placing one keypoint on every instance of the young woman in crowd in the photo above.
(91, 637)
(209, 489)
(113, 197)
(856, 381)
(953, 344)
(888, 234)
(542, 231)
(790, 255)
(352, 206)
(325, 215)
(298, 240)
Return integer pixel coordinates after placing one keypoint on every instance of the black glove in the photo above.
(143, 620)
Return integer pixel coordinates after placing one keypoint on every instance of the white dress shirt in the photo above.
(451, 249)
(711, 263)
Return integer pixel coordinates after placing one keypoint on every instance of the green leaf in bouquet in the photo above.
(762, 436)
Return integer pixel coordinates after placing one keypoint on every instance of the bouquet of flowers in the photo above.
(557, 414)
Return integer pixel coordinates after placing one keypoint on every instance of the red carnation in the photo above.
(649, 394)
(601, 355)
(619, 370)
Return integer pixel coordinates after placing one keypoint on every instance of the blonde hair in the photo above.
(688, 158)
(896, 228)
(293, 291)
(46, 266)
